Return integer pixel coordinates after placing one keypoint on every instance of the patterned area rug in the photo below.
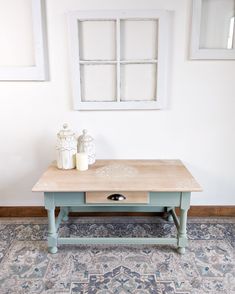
(207, 267)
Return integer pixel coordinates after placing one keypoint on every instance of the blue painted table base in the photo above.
(75, 201)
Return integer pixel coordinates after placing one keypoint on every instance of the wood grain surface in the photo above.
(120, 175)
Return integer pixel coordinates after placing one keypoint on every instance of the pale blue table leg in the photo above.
(52, 230)
(66, 212)
(52, 234)
(182, 232)
(169, 215)
(182, 235)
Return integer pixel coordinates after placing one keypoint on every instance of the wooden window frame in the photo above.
(39, 71)
(163, 18)
(200, 53)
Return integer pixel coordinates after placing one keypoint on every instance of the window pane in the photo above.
(97, 40)
(217, 24)
(16, 33)
(98, 82)
(138, 82)
(139, 39)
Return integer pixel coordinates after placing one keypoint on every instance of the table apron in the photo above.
(156, 199)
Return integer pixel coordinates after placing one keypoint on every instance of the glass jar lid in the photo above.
(85, 138)
(65, 132)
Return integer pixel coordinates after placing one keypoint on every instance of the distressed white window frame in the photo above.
(200, 53)
(39, 71)
(163, 18)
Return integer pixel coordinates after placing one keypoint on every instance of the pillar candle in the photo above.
(82, 161)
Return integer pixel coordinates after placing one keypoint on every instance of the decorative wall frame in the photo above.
(39, 71)
(106, 72)
(213, 29)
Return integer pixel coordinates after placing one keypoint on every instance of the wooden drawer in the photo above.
(130, 197)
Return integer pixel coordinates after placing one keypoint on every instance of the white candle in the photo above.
(82, 161)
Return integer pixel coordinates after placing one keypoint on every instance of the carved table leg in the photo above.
(66, 212)
(52, 234)
(182, 231)
(169, 215)
(182, 234)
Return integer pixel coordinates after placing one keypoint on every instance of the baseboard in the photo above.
(208, 211)
(39, 211)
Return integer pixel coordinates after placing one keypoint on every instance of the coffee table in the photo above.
(118, 185)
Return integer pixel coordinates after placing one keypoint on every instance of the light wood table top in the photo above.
(120, 175)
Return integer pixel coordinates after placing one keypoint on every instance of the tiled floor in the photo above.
(207, 267)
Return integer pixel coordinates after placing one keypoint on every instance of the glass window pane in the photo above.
(217, 24)
(97, 40)
(139, 39)
(98, 82)
(16, 33)
(138, 82)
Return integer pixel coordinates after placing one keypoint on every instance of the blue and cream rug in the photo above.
(207, 267)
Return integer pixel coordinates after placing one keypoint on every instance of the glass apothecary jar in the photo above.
(86, 144)
(66, 149)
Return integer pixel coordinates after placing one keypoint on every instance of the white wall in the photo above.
(198, 127)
